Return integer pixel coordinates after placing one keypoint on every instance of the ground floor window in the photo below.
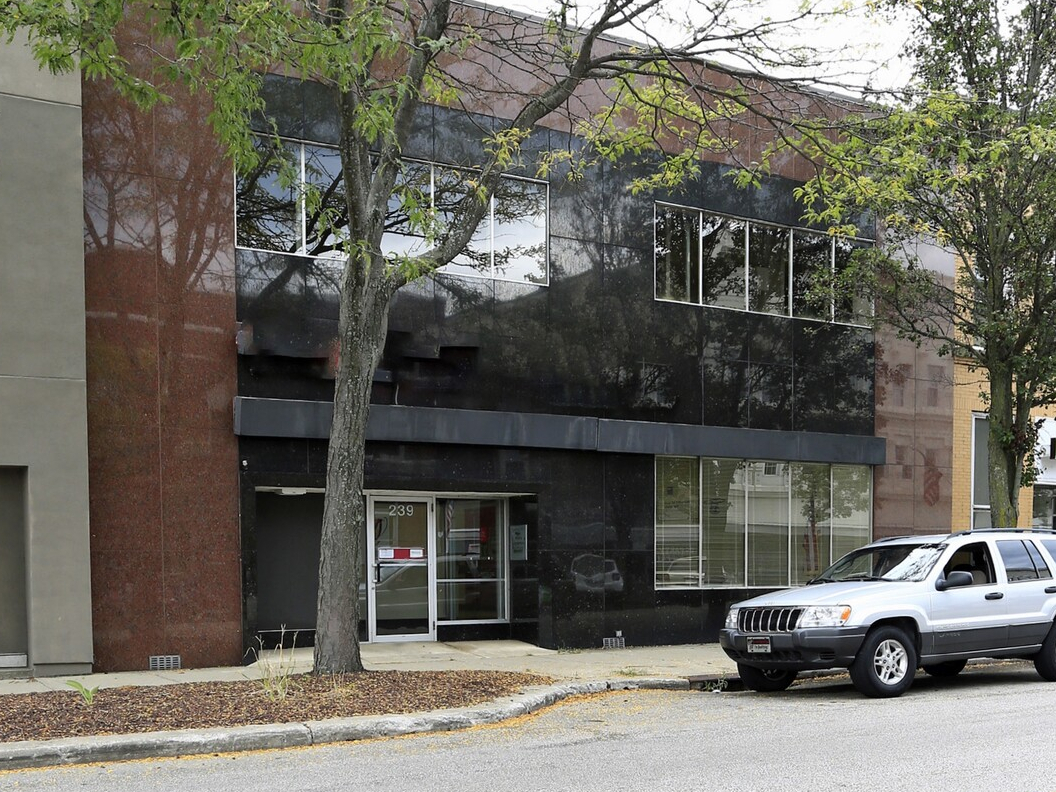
(755, 523)
(471, 559)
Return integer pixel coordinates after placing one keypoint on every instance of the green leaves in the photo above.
(87, 694)
(966, 163)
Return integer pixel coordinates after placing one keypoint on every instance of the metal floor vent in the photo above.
(165, 662)
(619, 642)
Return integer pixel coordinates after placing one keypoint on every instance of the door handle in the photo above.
(994, 595)
(1050, 589)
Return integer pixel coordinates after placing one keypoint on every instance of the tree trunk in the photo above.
(1006, 457)
(362, 330)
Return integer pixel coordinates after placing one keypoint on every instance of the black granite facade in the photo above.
(593, 342)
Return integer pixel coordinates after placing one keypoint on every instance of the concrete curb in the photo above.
(148, 745)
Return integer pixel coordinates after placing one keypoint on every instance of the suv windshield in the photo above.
(884, 562)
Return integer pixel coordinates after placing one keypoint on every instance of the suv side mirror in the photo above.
(955, 579)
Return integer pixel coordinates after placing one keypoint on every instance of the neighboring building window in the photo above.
(710, 259)
(980, 472)
(1044, 515)
(273, 213)
(744, 523)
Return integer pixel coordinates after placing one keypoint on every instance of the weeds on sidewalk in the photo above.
(276, 668)
(715, 685)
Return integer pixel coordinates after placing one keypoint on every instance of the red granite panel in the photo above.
(122, 366)
(125, 490)
(161, 378)
(128, 619)
(117, 136)
(121, 235)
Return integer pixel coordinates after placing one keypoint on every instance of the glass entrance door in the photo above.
(401, 579)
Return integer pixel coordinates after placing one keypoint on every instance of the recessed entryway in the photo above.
(14, 631)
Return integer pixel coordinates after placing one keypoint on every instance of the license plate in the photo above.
(758, 646)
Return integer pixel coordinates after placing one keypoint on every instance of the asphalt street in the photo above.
(989, 729)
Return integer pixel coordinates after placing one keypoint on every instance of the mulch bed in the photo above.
(124, 710)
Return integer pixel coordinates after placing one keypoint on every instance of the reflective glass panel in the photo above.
(767, 523)
(677, 522)
(520, 231)
(401, 558)
(768, 263)
(471, 559)
(326, 215)
(266, 199)
(811, 521)
(811, 253)
(723, 483)
(451, 194)
(850, 308)
(676, 235)
(723, 256)
(851, 507)
(410, 206)
(480, 600)
(1043, 507)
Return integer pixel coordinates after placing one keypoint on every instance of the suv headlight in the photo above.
(731, 618)
(824, 616)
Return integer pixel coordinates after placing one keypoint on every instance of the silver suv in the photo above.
(896, 604)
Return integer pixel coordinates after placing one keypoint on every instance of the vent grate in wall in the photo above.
(165, 662)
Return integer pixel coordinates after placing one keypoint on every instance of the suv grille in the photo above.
(769, 620)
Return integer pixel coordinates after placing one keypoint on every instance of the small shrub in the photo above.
(87, 693)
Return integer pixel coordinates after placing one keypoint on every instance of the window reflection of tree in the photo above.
(520, 231)
(273, 202)
(266, 198)
(768, 255)
(158, 242)
(811, 253)
(723, 241)
(675, 235)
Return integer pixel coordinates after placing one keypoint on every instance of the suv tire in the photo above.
(886, 663)
(950, 668)
(1045, 660)
(770, 680)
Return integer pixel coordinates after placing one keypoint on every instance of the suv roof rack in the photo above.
(892, 538)
(1002, 530)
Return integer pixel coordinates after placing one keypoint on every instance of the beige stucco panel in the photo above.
(21, 76)
(41, 239)
(43, 429)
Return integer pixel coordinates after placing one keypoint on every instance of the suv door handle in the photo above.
(1050, 589)
(994, 595)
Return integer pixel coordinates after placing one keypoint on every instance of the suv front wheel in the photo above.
(1045, 660)
(766, 680)
(885, 664)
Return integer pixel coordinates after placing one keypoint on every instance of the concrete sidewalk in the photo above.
(576, 671)
(586, 664)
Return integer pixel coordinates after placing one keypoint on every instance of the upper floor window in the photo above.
(275, 211)
(710, 259)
